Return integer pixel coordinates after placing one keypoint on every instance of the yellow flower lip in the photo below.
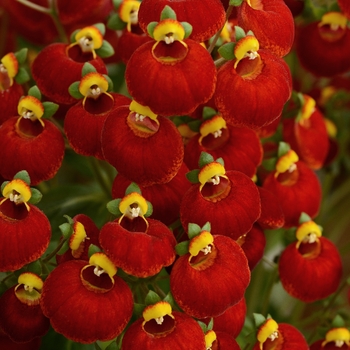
(17, 191)
(128, 12)
(169, 30)
(142, 111)
(28, 289)
(133, 205)
(339, 336)
(210, 337)
(334, 20)
(308, 232)
(157, 312)
(93, 85)
(269, 330)
(102, 264)
(211, 173)
(331, 128)
(212, 126)
(286, 163)
(9, 65)
(246, 47)
(78, 236)
(89, 39)
(203, 242)
(30, 281)
(308, 107)
(29, 107)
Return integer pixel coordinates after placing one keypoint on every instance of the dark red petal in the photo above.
(7, 344)
(9, 99)
(226, 342)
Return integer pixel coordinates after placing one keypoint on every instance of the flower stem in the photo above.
(54, 252)
(35, 7)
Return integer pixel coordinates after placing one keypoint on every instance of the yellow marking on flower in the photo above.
(169, 30)
(211, 173)
(201, 243)
(9, 65)
(331, 128)
(142, 111)
(186, 132)
(102, 264)
(326, 93)
(269, 330)
(246, 47)
(128, 12)
(89, 39)
(308, 107)
(334, 20)
(225, 34)
(17, 191)
(30, 281)
(286, 163)
(157, 312)
(308, 232)
(28, 289)
(79, 235)
(209, 337)
(29, 107)
(212, 126)
(339, 336)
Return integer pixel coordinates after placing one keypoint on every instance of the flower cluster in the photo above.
(174, 174)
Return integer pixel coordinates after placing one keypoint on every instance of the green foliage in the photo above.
(193, 230)
(167, 13)
(35, 92)
(205, 159)
(182, 248)
(152, 298)
(192, 176)
(74, 90)
(36, 196)
(115, 22)
(24, 176)
(87, 69)
(113, 207)
(106, 50)
(226, 51)
(50, 109)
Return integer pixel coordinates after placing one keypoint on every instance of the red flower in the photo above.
(220, 341)
(86, 301)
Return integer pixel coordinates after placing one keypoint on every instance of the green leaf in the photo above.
(72, 36)
(283, 148)
(250, 32)
(170, 299)
(167, 13)
(66, 229)
(69, 219)
(3, 185)
(112, 346)
(152, 298)
(211, 324)
(150, 28)
(50, 109)
(115, 22)
(22, 76)
(203, 326)
(35, 92)
(193, 230)
(338, 322)
(88, 68)
(204, 159)
(209, 112)
(113, 207)
(110, 82)
(239, 33)
(188, 29)
(226, 51)
(24, 176)
(182, 248)
(133, 187)
(97, 347)
(36, 196)
(149, 209)
(206, 227)
(21, 55)
(220, 161)
(93, 249)
(192, 176)
(259, 320)
(101, 27)
(304, 218)
(235, 2)
(106, 50)
(35, 267)
(74, 90)
(64, 248)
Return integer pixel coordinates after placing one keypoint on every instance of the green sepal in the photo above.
(150, 28)
(304, 218)
(117, 3)
(149, 209)
(22, 76)
(205, 159)
(226, 51)
(152, 298)
(239, 33)
(113, 207)
(72, 36)
(87, 69)
(66, 229)
(35, 267)
(188, 29)
(112, 346)
(74, 90)
(97, 347)
(269, 164)
(193, 230)
(115, 22)
(192, 176)
(194, 125)
(283, 148)
(3, 185)
(50, 109)
(182, 248)
(110, 82)
(220, 161)
(106, 50)
(235, 2)
(69, 219)
(206, 227)
(138, 309)
(170, 299)
(64, 248)
(210, 324)
(101, 28)
(36, 196)
(24, 176)
(338, 322)
(93, 249)
(203, 326)
(250, 32)
(183, 119)
(35, 92)
(209, 113)
(259, 320)
(21, 55)
(167, 13)
(133, 187)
